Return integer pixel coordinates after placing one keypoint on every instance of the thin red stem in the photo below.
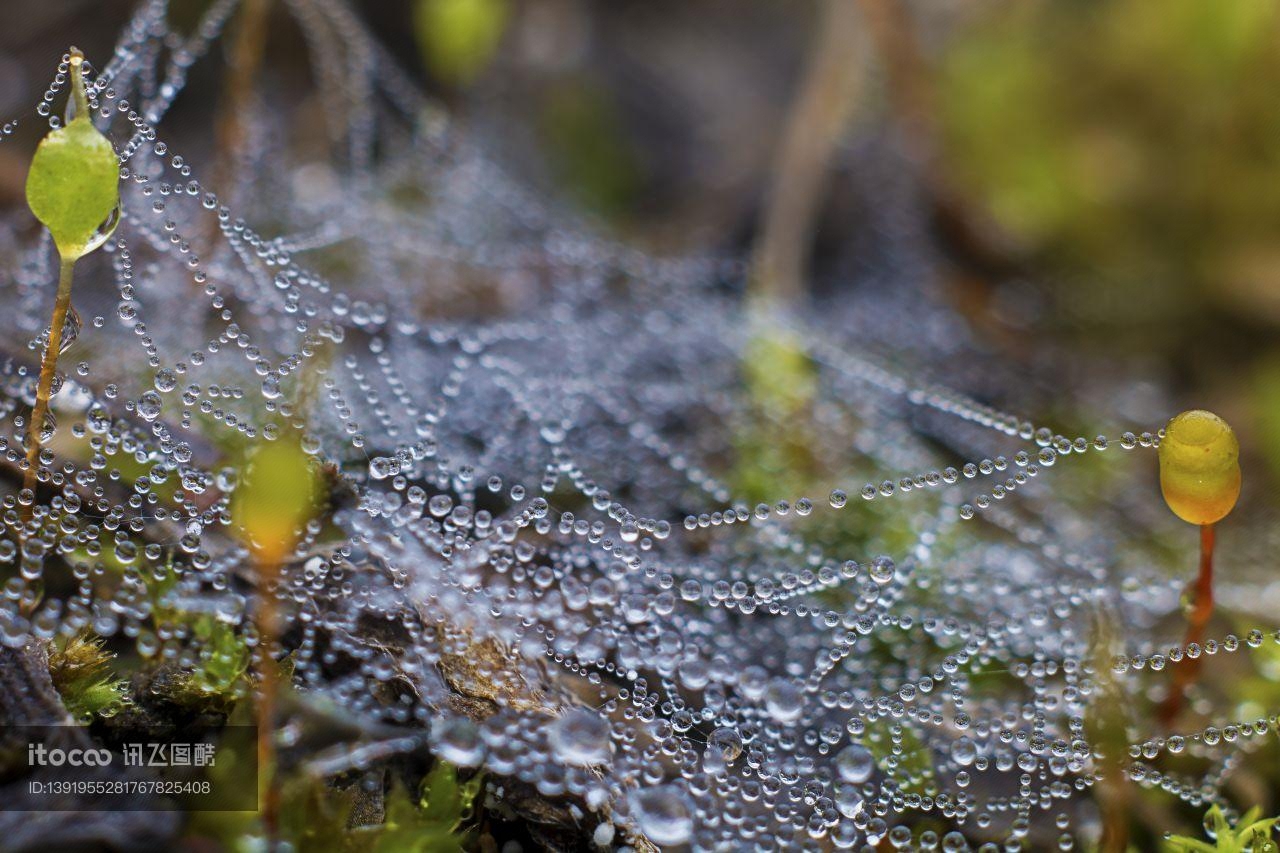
(268, 616)
(1197, 621)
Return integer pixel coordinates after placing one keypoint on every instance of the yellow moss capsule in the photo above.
(1199, 467)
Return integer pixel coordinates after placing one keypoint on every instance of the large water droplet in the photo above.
(855, 763)
(663, 814)
(580, 737)
(149, 405)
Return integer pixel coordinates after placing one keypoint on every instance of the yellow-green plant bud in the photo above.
(1199, 467)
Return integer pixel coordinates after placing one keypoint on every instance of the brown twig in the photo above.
(814, 127)
(242, 70)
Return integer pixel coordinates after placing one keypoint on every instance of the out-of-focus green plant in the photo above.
(218, 680)
(779, 374)
(772, 447)
(459, 37)
(314, 816)
(1249, 835)
(317, 816)
(898, 752)
(433, 824)
(589, 149)
(1136, 140)
(278, 493)
(1266, 410)
(81, 672)
(224, 661)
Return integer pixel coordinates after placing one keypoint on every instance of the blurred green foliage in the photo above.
(458, 38)
(589, 149)
(1132, 143)
(432, 824)
(219, 678)
(773, 452)
(778, 373)
(317, 816)
(278, 493)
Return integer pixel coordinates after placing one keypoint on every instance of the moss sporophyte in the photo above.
(277, 496)
(73, 189)
(1200, 481)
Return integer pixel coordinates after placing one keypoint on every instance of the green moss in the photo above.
(220, 677)
(1159, 164)
(81, 672)
(589, 148)
(1249, 834)
(434, 822)
(317, 816)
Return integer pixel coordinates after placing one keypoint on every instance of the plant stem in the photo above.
(1204, 586)
(1108, 720)
(1115, 815)
(813, 131)
(78, 91)
(1198, 620)
(268, 632)
(48, 368)
(247, 52)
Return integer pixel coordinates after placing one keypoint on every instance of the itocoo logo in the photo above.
(40, 755)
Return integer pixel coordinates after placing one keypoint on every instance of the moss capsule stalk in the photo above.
(48, 370)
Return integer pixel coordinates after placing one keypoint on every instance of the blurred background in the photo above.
(1095, 185)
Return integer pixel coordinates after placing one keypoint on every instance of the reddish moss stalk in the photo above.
(44, 388)
(268, 618)
(1185, 674)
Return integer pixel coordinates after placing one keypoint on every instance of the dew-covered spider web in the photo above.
(558, 538)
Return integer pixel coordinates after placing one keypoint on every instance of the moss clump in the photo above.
(82, 675)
